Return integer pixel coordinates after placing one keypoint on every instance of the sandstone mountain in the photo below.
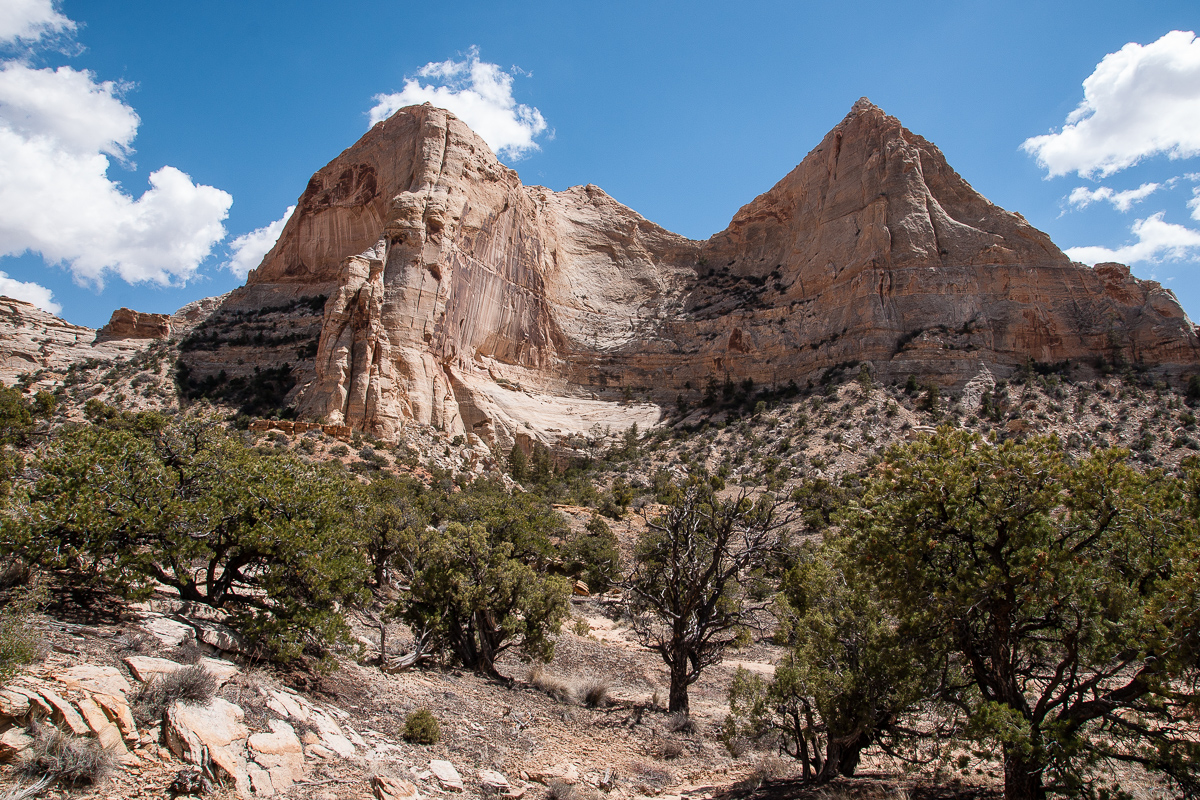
(419, 281)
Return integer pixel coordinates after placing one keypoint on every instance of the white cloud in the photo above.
(1082, 197)
(30, 20)
(1194, 203)
(1156, 240)
(478, 93)
(247, 250)
(30, 292)
(1140, 101)
(57, 130)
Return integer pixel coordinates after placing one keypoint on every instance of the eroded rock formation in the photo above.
(461, 298)
(128, 324)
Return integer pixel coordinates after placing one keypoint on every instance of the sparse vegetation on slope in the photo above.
(300, 540)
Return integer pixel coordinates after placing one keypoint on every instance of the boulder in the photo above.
(446, 775)
(493, 782)
(287, 704)
(279, 753)
(117, 709)
(104, 729)
(13, 742)
(107, 680)
(36, 705)
(145, 668)
(169, 631)
(320, 751)
(220, 637)
(13, 705)
(385, 788)
(63, 713)
(212, 737)
(562, 773)
(331, 734)
(260, 781)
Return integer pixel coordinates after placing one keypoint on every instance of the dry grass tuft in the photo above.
(670, 749)
(738, 746)
(680, 722)
(552, 685)
(138, 642)
(188, 652)
(69, 760)
(650, 779)
(192, 684)
(27, 791)
(595, 693)
(558, 790)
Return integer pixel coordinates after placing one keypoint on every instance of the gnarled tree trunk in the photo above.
(1022, 777)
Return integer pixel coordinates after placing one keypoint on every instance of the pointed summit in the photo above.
(873, 192)
(449, 282)
(861, 106)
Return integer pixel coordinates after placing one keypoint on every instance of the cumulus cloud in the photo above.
(1156, 240)
(478, 93)
(30, 292)
(1082, 196)
(58, 129)
(247, 250)
(30, 20)
(1140, 101)
(1194, 203)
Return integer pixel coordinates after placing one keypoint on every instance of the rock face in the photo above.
(457, 297)
(128, 324)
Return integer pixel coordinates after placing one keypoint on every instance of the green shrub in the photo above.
(18, 641)
(482, 585)
(421, 727)
(594, 556)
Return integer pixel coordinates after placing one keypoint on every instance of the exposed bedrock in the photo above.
(458, 297)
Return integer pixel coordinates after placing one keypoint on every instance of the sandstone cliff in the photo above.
(128, 324)
(453, 295)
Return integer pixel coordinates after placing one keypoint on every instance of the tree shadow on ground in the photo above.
(862, 788)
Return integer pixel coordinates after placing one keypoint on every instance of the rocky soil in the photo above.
(341, 735)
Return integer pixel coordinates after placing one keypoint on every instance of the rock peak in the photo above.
(459, 297)
(864, 104)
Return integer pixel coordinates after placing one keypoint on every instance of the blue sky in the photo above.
(683, 111)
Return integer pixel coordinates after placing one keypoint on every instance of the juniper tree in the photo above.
(1066, 592)
(850, 677)
(686, 597)
(145, 498)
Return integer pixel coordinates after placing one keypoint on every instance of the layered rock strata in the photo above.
(458, 297)
(128, 324)
(38, 348)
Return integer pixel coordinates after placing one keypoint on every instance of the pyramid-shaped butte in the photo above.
(459, 297)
